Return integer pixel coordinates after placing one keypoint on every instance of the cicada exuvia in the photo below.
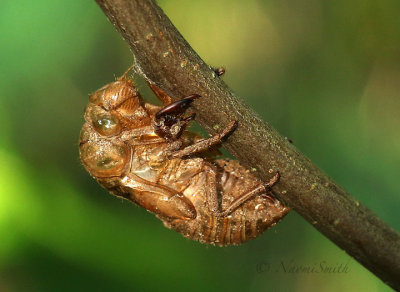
(143, 153)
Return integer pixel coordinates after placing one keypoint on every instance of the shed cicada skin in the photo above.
(143, 153)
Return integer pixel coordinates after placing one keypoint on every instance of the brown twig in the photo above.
(163, 57)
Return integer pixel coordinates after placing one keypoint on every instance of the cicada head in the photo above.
(114, 107)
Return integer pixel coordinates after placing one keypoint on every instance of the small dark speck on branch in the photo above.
(164, 58)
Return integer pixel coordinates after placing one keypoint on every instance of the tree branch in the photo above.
(163, 57)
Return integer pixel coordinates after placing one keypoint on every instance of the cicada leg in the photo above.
(178, 107)
(165, 98)
(123, 76)
(158, 199)
(210, 179)
(151, 108)
(248, 195)
(205, 144)
(169, 122)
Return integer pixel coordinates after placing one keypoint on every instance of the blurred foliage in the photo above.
(324, 73)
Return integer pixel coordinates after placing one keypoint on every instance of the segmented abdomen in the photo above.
(247, 222)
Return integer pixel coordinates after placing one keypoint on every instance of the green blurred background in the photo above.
(324, 73)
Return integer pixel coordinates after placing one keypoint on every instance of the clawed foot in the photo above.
(169, 122)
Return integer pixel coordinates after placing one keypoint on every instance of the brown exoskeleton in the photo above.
(142, 152)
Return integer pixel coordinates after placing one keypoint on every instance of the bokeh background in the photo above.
(324, 73)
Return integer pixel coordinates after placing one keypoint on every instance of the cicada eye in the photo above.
(104, 160)
(106, 124)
